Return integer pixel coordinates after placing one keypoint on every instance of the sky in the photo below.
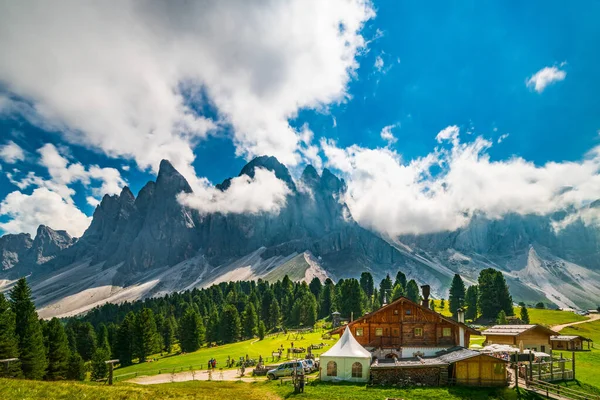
(432, 111)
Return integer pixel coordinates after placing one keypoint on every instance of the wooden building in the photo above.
(404, 328)
(479, 370)
(533, 337)
(569, 342)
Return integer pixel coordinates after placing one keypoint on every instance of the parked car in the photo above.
(285, 369)
(311, 365)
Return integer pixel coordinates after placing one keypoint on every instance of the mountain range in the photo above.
(151, 245)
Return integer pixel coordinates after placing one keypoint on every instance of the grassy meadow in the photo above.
(550, 317)
(587, 367)
(22, 389)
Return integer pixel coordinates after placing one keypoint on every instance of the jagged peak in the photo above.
(310, 173)
(170, 179)
(269, 163)
(331, 182)
(126, 194)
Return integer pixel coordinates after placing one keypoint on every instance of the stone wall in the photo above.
(422, 376)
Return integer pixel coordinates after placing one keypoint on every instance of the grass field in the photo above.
(550, 317)
(21, 389)
(587, 366)
(199, 359)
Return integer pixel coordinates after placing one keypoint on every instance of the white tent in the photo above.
(347, 360)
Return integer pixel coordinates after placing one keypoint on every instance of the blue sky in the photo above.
(415, 67)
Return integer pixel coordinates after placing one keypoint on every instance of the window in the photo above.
(331, 368)
(357, 370)
(543, 349)
(378, 331)
(446, 332)
(407, 312)
(418, 332)
(359, 332)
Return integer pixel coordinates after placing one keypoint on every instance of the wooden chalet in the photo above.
(533, 337)
(404, 328)
(569, 342)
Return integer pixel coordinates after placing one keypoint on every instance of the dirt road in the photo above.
(592, 317)
(202, 375)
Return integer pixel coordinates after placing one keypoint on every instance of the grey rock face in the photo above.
(13, 247)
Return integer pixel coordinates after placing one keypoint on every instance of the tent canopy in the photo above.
(347, 346)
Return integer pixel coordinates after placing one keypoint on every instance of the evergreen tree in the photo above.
(191, 330)
(57, 345)
(250, 321)
(385, 290)
(502, 318)
(471, 298)
(352, 299)
(274, 315)
(493, 294)
(261, 330)
(524, 314)
(367, 284)
(412, 291)
(397, 292)
(72, 340)
(212, 327)
(99, 366)
(376, 304)
(145, 334)
(76, 367)
(230, 324)
(126, 340)
(304, 311)
(315, 287)
(102, 337)
(112, 338)
(268, 298)
(457, 294)
(504, 298)
(400, 280)
(85, 337)
(327, 299)
(9, 342)
(32, 352)
(432, 305)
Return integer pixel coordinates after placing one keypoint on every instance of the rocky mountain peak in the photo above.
(13, 247)
(310, 176)
(331, 182)
(169, 181)
(272, 164)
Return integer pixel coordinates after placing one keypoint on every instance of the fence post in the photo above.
(516, 371)
(573, 354)
(551, 368)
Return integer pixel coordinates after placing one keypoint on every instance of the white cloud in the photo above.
(264, 193)
(396, 197)
(27, 212)
(387, 135)
(11, 152)
(92, 201)
(545, 77)
(123, 90)
(502, 137)
(379, 63)
(449, 133)
(125, 167)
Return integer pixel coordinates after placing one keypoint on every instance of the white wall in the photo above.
(344, 369)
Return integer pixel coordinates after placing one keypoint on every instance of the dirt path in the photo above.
(201, 375)
(592, 317)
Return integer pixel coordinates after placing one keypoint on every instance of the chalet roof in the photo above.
(406, 299)
(442, 358)
(457, 353)
(347, 346)
(514, 330)
(567, 338)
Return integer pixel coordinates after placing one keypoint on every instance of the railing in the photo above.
(565, 392)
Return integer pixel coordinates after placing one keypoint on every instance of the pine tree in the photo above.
(262, 330)
(471, 298)
(493, 294)
(400, 280)
(126, 339)
(145, 334)
(376, 304)
(250, 321)
(524, 314)
(432, 305)
(32, 352)
(230, 324)
(76, 367)
(274, 315)
(327, 300)
(412, 291)
(304, 311)
(397, 292)
(212, 327)
(315, 287)
(367, 284)
(457, 294)
(502, 318)
(352, 299)
(99, 366)
(57, 345)
(102, 337)
(191, 330)
(168, 334)
(9, 342)
(385, 289)
(268, 298)
(504, 298)
(85, 337)
(72, 340)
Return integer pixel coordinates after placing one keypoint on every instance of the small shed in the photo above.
(569, 342)
(347, 360)
(472, 368)
(534, 337)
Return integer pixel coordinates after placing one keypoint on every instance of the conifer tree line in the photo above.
(223, 313)
(489, 299)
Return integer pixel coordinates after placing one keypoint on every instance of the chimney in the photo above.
(351, 316)
(426, 290)
(460, 315)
